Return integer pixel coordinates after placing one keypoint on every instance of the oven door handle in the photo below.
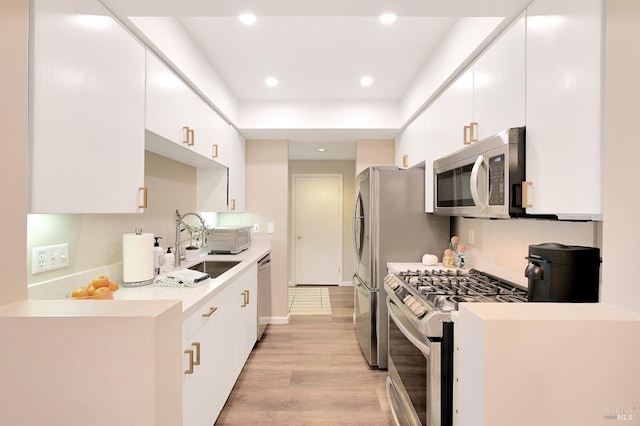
(406, 329)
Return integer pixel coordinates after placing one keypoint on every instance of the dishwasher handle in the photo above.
(264, 263)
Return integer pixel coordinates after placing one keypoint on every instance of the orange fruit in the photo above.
(80, 292)
(91, 289)
(113, 286)
(103, 293)
(100, 281)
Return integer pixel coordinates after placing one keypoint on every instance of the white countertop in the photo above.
(191, 296)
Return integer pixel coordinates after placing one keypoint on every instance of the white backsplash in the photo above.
(58, 288)
(500, 246)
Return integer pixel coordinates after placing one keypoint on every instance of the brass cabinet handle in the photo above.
(248, 300)
(245, 298)
(467, 131)
(192, 137)
(190, 369)
(214, 150)
(405, 161)
(473, 137)
(197, 357)
(185, 136)
(211, 311)
(233, 204)
(144, 190)
(525, 195)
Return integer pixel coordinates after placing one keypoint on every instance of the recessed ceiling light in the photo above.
(248, 18)
(321, 149)
(271, 81)
(387, 18)
(366, 81)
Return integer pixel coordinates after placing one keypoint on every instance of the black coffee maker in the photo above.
(559, 273)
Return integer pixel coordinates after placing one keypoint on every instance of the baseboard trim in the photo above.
(279, 320)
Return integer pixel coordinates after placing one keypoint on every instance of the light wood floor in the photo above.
(310, 372)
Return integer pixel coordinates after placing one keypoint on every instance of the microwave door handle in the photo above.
(474, 182)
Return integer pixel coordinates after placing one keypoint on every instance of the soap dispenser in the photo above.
(158, 256)
(169, 260)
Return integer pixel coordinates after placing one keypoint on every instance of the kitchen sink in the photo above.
(214, 268)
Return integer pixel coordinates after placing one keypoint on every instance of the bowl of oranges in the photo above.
(101, 287)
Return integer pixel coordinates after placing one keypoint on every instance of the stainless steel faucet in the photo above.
(179, 222)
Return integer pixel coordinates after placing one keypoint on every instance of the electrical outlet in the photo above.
(256, 228)
(271, 228)
(47, 258)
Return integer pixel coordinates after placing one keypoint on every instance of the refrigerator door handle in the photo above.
(358, 226)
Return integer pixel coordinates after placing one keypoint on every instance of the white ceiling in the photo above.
(317, 49)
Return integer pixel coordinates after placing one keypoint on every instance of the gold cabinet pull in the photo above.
(248, 300)
(214, 150)
(473, 137)
(466, 132)
(144, 197)
(405, 161)
(233, 204)
(190, 369)
(211, 311)
(185, 135)
(192, 137)
(525, 195)
(245, 299)
(196, 345)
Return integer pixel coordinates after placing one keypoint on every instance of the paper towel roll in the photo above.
(137, 259)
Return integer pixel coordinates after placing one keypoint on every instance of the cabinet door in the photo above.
(436, 146)
(203, 393)
(166, 101)
(457, 112)
(410, 145)
(564, 107)
(249, 286)
(236, 171)
(499, 83)
(87, 110)
(210, 132)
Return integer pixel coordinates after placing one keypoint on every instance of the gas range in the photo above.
(428, 297)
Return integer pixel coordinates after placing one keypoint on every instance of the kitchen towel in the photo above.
(137, 259)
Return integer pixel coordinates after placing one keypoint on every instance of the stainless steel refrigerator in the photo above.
(389, 225)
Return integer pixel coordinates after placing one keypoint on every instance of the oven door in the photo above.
(413, 385)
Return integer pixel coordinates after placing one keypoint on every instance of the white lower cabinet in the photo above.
(217, 340)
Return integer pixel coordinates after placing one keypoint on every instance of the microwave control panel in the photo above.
(496, 180)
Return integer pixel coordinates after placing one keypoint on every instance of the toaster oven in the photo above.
(229, 240)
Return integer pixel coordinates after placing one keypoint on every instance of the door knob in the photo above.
(298, 237)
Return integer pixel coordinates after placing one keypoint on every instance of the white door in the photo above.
(317, 229)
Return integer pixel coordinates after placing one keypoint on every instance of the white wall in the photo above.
(500, 246)
(621, 242)
(14, 19)
(267, 194)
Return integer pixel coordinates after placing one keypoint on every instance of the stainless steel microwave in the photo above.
(483, 180)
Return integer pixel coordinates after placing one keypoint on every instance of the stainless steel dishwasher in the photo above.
(264, 293)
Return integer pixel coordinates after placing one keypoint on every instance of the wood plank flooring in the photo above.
(310, 372)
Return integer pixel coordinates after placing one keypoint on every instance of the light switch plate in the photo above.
(47, 258)
(271, 228)
(256, 228)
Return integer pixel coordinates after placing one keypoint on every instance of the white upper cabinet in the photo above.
(180, 123)
(564, 108)
(499, 83)
(236, 171)
(87, 97)
(410, 144)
